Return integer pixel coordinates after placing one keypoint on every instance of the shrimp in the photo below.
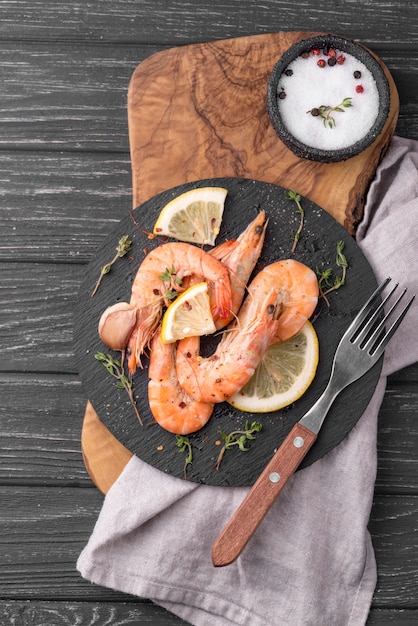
(163, 270)
(240, 257)
(297, 291)
(170, 405)
(218, 377)
(280, 299)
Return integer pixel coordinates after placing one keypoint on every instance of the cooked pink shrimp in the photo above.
(280, 299)
(163, 270)
(172, 408)
(218, 377)
(170, 405)
(297, 292)
(240, 258)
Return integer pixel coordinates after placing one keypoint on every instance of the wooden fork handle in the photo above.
(246, 519)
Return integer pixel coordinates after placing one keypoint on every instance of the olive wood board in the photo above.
(316, 248)
(200, 110)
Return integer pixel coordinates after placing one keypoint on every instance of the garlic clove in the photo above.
(116, 325)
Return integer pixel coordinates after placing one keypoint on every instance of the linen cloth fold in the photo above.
(311, 562)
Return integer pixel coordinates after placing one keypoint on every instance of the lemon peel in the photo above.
(194, 216)
(283, 375)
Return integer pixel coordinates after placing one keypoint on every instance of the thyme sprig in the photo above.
(124, 246)
(326, 285)
(238, 438)
(169, 276)
(184, 444)
(115, 368)
(292, 195)
(325, 111)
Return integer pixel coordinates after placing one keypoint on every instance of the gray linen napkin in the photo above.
(312, 561)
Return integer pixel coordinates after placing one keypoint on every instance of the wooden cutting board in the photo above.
(199, 111)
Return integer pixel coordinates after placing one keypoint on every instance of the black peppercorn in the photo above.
(357, 74)
(282, 95)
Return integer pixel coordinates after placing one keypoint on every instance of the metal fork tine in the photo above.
(366, 309)
(378, 351)
(366, 328)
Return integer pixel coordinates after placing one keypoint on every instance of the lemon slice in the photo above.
(284, 374)
(188, 316)
(195, 216)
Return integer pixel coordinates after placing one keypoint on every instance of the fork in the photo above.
(359, 349)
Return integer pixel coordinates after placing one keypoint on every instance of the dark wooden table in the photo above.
(65, 180)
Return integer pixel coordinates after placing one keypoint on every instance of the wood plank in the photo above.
(398, 440)
(41, 418)
(57, 96)
(42, 532)
(38, 301)
(117, 613)
(139, 612)
(66, 97)
(394, 617)
(152, 20)
(63, 206)
(393, 525)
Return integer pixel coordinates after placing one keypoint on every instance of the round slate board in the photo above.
(316, 248)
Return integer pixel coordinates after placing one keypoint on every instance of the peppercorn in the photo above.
(340, 59)
(359, 88)
(321, 63)
(282, 95)
(332, 52)
(314, 112)
(357, 74)
(288, 72)
(316, 51)
(332, 61)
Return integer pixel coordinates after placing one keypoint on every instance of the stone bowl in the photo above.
(355, 126)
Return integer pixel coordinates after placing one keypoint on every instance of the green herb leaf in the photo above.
(325, 275)
(123, 247)
(238, 438)
(114, 368)
(292, 195)
(324, 112)
(184, 444)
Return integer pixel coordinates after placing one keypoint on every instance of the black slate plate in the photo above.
(316, 248)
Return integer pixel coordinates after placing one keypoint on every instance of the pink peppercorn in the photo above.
(321, 63)
(316, 51)
(359, 88)
(340, 59)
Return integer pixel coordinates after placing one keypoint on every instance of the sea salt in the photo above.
(310, 86)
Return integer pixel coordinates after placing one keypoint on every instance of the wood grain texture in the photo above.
(86, 613)
(183, 128)
(63, 207)
(65, 177)
(151, 21)
(200, 111)
(135, 613)
(38, 298)
(63, 97)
